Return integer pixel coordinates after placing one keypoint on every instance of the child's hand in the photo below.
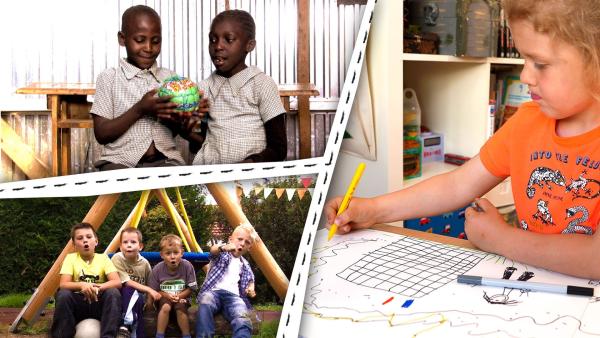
(250, 291)
(174, 298)
(229, 247)
(152, 105)
(485, 228)
(203, 108)
(360, 214)
(90, 292)
(155, 295)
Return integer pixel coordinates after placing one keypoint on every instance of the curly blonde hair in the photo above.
(575, 22)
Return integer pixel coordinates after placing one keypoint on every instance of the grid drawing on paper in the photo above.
(411, 267)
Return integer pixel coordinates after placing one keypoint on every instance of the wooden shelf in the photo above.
(460, 59)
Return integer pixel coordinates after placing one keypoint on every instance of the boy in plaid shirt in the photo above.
(229, 283)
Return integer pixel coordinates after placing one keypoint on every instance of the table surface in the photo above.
(63, 88)
(425, 235)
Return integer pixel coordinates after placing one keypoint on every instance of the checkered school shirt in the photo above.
(239, 107)
(117, 90)
(218, 267)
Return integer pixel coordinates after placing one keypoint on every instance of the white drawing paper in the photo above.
(353, 276)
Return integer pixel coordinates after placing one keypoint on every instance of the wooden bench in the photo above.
(222, 326)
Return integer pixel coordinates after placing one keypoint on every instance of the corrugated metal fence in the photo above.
(73, 41)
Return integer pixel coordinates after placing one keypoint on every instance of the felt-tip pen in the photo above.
(522, 285)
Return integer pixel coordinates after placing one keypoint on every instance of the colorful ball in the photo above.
(185, 93)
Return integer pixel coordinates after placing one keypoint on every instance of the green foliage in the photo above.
(34, 232)
(268, 329)
(279, 223)
(14, 299)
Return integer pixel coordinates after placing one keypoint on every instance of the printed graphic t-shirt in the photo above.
(161, 279)
(95, 272)
(138, 272)
(555, 180)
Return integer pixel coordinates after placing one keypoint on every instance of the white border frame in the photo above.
(138, 179)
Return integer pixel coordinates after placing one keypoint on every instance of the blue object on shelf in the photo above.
(449, 224)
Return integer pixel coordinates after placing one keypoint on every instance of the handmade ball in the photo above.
(88, 328)
(185, 93)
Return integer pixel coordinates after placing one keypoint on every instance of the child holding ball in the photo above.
(246, 122)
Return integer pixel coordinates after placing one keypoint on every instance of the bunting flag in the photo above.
(290, 193)
(267, 192)
(279, 192)
(247, 187)
(257, 190)
(301, 192)
(311, 191)
(306, 181)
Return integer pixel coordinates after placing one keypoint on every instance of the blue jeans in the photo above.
(234, 310)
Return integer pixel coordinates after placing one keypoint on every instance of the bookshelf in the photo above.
(453, 94)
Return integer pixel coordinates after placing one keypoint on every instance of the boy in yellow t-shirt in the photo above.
(89, 285)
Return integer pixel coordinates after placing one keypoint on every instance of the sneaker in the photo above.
(123, 332)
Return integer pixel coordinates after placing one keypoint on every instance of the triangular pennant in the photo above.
(306, 181)
(290, 193)
(301, 192)
(257, 190)
(267, 192)
(311, 191)
(247, 189)
(279, 192)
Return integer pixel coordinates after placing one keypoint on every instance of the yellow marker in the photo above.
(347, 197)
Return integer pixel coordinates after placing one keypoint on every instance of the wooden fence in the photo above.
(34, 128)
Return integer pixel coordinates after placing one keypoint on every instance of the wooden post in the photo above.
(30, 312)
(54, 108)
(303, 76)
(20, 153)
(260, 253)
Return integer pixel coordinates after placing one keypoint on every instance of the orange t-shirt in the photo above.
(555, 180)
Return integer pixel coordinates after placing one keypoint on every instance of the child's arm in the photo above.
(250, 290)
(433, 196)
(108, 130)
(571, 254)
(113, 281)
(89, 290)
(144, 288)
(276, 149)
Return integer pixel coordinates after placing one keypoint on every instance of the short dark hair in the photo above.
(134, 11)
(80, 226)
(243, 18)
(131, 231)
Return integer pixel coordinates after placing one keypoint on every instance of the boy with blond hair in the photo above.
(175, 279)
(89, 285)
(134, 271)
(228, 284)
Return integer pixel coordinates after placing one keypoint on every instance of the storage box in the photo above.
(412, 157)
(433, 147)
(465, 27)
(449, 224)
(425, 43)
